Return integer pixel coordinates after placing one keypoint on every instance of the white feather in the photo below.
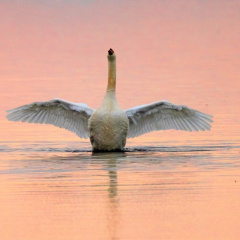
(164, 115)
(71, 116)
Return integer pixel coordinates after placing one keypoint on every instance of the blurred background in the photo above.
(169, 184)
(186, 52)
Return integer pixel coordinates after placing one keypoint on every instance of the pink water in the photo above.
(167, 185)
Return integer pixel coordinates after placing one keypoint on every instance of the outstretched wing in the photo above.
(60, 113)
(164, 115)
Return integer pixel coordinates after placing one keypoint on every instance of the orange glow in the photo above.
(183, 52)
(186, 52)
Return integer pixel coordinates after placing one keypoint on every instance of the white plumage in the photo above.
(109, 126)
(60, 113)
(163, 116)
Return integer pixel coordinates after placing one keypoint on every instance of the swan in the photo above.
(109, 126)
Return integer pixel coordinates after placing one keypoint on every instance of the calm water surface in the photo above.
(167, 185)
(53, 190)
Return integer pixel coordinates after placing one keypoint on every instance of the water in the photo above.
(63, 191)
(166, 185)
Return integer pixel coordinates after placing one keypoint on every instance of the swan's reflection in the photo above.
(72, 180)
(109, 164)
(112, 173)
(113, 212)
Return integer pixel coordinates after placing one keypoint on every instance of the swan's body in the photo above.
(109, 126)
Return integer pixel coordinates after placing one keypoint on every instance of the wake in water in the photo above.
(37, 148)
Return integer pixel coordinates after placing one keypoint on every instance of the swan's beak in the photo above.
(110, 52)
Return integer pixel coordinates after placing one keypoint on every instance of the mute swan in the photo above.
(109, 126)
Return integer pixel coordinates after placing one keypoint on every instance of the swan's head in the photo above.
(110, 52)
(111, 55)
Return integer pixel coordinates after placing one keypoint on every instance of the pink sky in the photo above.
(186, 52)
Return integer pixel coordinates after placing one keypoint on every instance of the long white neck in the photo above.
(111, 72)
(110, 96)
